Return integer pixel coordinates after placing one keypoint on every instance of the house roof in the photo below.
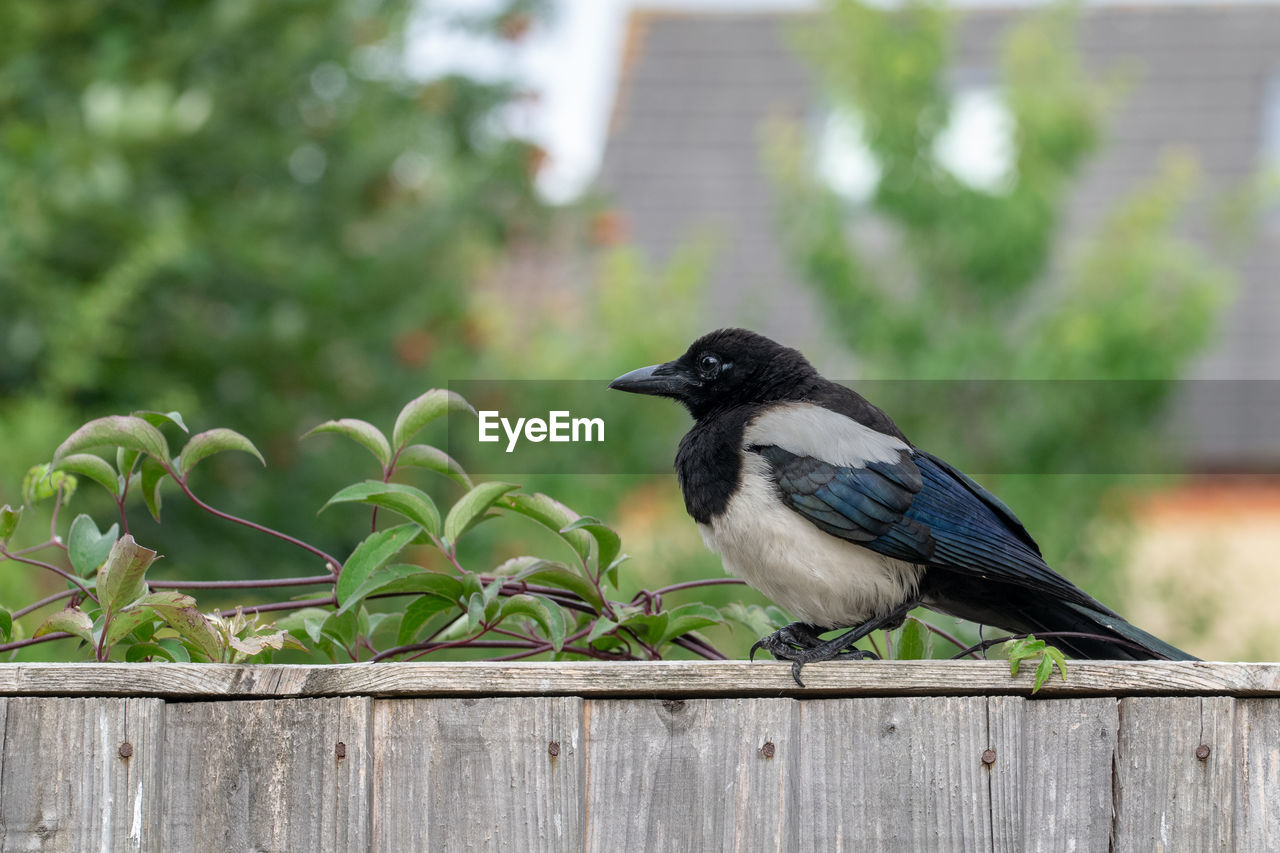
(683, 158)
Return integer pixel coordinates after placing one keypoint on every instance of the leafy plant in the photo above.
(565, 606)
(1029, 648)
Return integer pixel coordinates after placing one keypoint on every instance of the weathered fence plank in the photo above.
(268, 775)
(1051, 783)
(543, 757)
(649, 679)
(698, 774)
(67, 784)
(1174, 775)
(1257, 726)
(478, 774)
(892, 774)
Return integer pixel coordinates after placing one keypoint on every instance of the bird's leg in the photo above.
(840, 647)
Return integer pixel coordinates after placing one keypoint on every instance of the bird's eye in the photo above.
(708, 364)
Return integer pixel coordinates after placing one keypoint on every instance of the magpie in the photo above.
(817, 499)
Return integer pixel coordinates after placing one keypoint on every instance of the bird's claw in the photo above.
(784, 641)
(800, 644)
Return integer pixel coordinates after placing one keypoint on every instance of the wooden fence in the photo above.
(912, 756)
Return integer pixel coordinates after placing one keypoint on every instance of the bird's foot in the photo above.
(784, 642)
(801, 644)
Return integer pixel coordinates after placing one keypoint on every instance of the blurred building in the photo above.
(684, 157)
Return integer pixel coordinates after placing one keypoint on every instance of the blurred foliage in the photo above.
(244, 211)
(968, 286)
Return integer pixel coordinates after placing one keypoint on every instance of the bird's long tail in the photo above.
(1117, 639)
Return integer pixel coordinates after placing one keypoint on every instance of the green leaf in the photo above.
(491, 591)
(539, 611)
(434, 459)
(205, 444)
(42, 483)
(6, 625)
(553, 515)
(650, 627)
(176, 648)
(1043, 671)
(125, 621)
(601, 627)
(126, 459)
(423, 410)
(471, 507)
(756, 619)
(361, 432)
(413, 504)
(557, 624)
(152, 475)
(73, 620)
(9, 518)
(164, 598)
(139, 652)
(610, 575)
(689, 617)
(417, 614)
(608, 543)
(475, 611)
(159, 419)
(1052, 657)
(95, 468)
(192, 626)
(913, 641)
(380, 578)
(86, 547)
(423, 581)
(121, 579)
(565, 578)
(372, 554)
(118, 430)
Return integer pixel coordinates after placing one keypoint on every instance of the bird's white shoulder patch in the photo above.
(819, 578)
(808, 430)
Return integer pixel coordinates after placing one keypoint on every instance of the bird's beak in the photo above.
(660, 380)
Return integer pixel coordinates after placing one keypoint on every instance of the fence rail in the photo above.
(655, 756)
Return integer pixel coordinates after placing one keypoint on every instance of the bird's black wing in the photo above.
(920, 510)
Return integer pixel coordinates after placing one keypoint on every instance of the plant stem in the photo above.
(49, 567)
(950, 638)
(333, 563)
(57, 596)
(692, 584)
(313, 580)
(995, 641)
(31, 641)
(699, 647)
(280, 605)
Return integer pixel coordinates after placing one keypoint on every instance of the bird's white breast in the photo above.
(818, 578)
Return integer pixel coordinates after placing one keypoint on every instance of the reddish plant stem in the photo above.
(31, 641)
(32, 549)
(49, 567)
(333, 563)
(699, 647)
(995, 641)
(314, 580)
(950, 638)
(692, 584)
(280, 605)
(57, 596)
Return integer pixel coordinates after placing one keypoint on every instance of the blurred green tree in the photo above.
(249, 213)
(969, 286)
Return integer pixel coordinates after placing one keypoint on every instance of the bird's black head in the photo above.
(726, 368)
